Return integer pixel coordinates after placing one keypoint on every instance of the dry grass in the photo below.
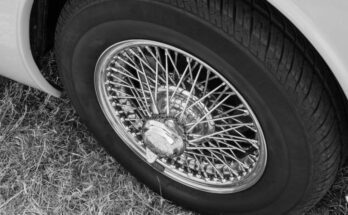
(50, 164)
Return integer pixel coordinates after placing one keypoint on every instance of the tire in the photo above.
(254, 48)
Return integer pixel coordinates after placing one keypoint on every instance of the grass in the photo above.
(51, 164)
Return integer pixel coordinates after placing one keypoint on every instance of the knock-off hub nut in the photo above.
(164, 138)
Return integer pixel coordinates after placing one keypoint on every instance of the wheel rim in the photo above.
(180, 115)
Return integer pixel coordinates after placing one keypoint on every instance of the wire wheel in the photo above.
(181, 116)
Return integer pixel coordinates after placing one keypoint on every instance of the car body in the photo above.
(322, 22)
(18, 62)
(28, 31)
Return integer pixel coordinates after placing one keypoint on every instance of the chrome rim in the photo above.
(181, 116)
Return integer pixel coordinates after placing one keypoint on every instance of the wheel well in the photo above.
(43, 21)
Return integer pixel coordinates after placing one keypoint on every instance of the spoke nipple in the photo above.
(246, 112)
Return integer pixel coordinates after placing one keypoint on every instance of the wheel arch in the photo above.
(306, 18)
(43, 20)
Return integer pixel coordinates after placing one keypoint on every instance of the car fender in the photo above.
(16, 59)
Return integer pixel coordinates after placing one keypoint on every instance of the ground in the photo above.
(51, 164)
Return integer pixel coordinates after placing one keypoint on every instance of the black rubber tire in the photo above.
(276, 70)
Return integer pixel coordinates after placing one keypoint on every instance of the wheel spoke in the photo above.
(147, 80)
(182, 78)
(202, 118)
(221, 119)
(173, 63)
(167, 82)
(204, 97)
(158, 61)
(214, 134)
(191, 91)
(206, 83)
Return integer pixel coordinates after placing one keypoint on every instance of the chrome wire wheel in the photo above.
(181, 116)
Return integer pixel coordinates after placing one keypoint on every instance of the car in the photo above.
(222, 106)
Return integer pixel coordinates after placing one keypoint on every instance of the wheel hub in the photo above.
(163, 138)
(186, 109)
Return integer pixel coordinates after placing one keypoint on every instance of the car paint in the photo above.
(322, 22)
(16, 60)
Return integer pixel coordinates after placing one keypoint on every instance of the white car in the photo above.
(222, 106)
